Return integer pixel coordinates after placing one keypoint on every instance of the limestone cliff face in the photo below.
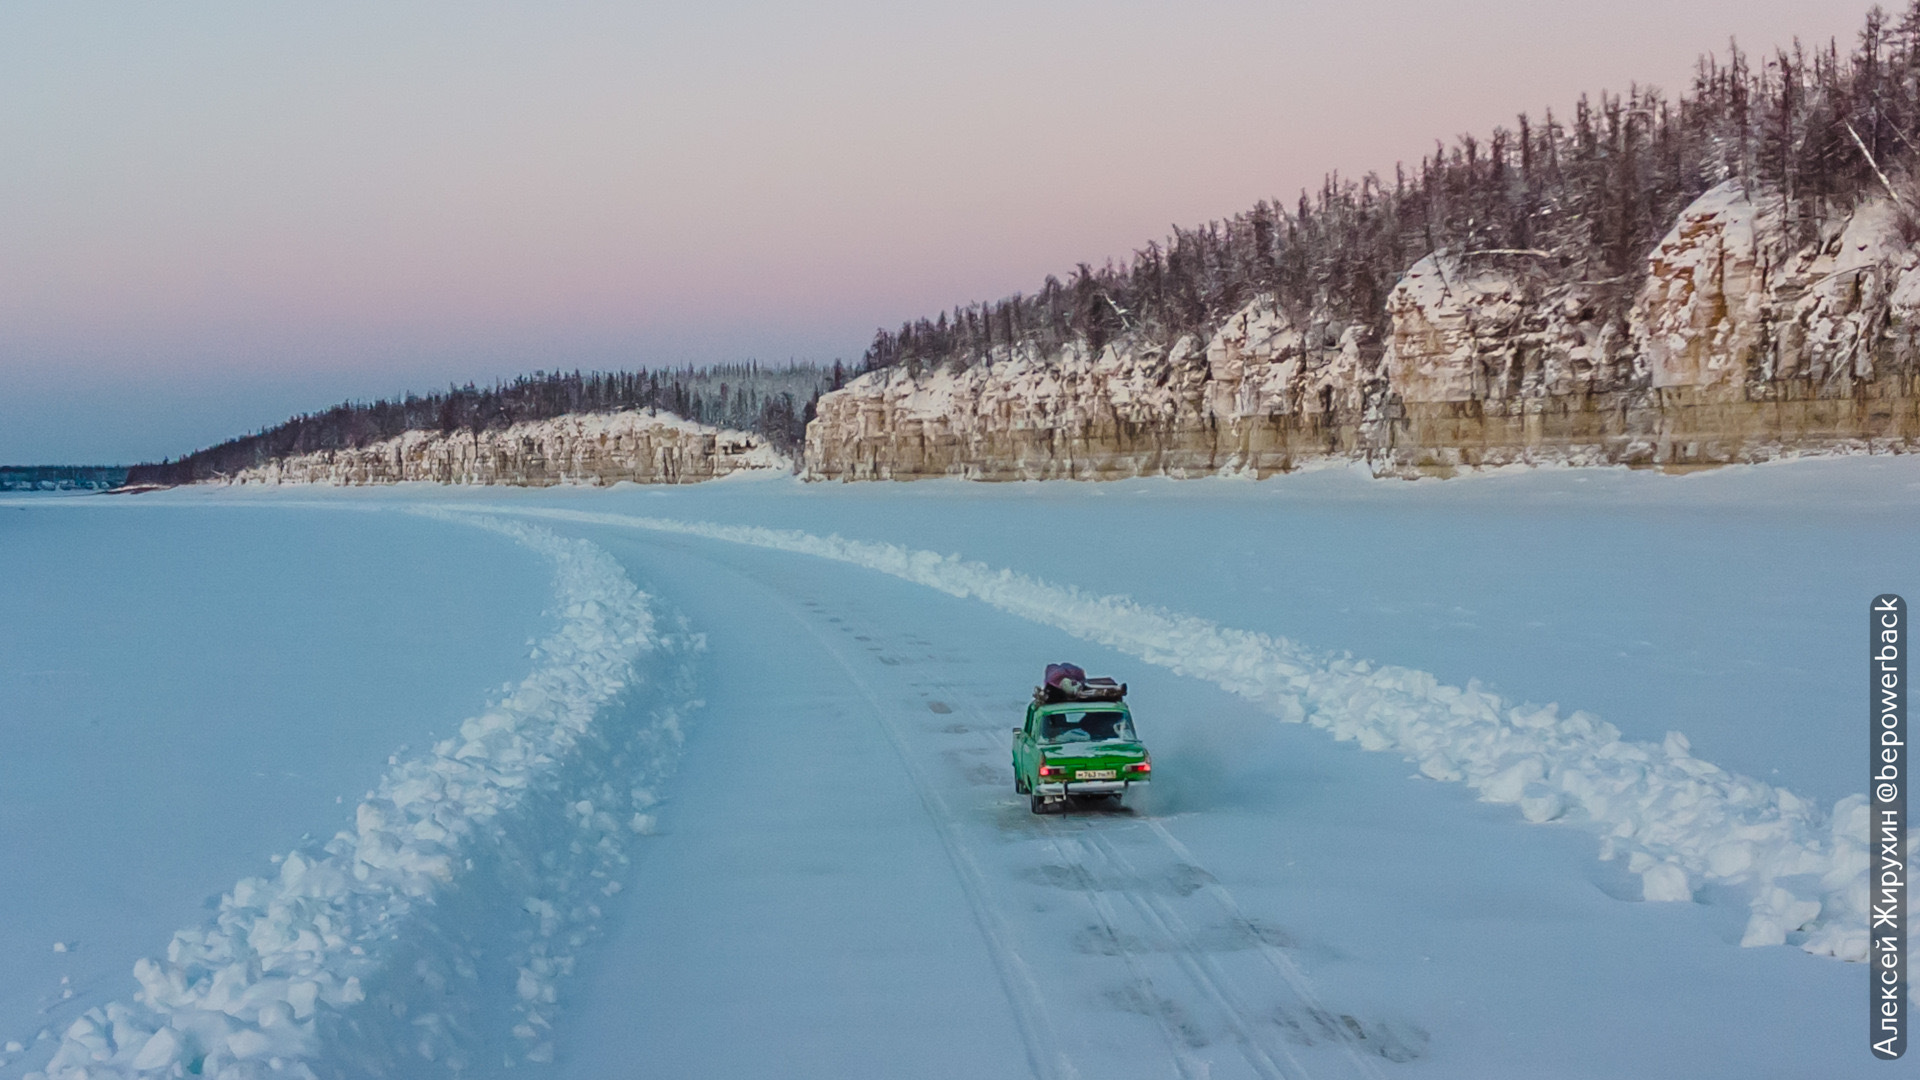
(1743, 339)
(1730, 304)
(1499, 329)
(599, 448)
(1261, 395)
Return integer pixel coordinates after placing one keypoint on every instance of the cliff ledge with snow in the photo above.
(1741, 344)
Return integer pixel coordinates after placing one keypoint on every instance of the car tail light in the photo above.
(1051, 770)
(1140, 766)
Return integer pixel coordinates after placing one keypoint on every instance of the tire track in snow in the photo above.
(1093, 834)
(1276, 958)
(1045, 1054)
(1679, 822)
(1207, 978)
(1199, 967)
(1185, 1062)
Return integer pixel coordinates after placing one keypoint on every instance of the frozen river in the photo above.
(841, 881)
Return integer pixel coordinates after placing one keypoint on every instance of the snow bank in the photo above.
(436, 929)
(1680, 823)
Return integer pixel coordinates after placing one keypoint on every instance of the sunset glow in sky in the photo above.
(215, 214)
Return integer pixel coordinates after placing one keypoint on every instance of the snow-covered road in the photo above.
(848, 886)
(1277, 905)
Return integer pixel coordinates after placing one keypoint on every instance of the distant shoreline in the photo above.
(61, 477)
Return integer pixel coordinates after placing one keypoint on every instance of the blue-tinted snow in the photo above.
(1725, 606)
(185, 691)
(1729, 605)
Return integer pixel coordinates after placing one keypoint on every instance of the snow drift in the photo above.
(1678, 822)
(438, 927)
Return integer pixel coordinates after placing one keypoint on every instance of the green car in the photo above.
(1077, 748)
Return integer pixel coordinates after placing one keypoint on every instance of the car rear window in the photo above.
(1094, 725)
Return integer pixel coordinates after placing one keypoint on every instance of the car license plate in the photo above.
(1094, 774)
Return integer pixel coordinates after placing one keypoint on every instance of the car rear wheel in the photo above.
(1019, 785)
(1039, 805)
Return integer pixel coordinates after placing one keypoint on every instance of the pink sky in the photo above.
(260, 208)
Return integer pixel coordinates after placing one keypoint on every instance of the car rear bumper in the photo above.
(1084, 787)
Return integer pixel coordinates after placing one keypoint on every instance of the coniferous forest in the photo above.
(775, 402)
(1592, 190)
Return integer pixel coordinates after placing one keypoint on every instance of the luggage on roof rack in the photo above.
(1069, 682)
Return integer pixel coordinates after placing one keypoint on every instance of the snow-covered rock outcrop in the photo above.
(1746, 336)
(1262, 394)
(1496, 329)
(584, 448)
(1703, 312)
(1732, 302)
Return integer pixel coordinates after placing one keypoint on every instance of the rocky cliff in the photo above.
(593, 448)
(1744, 337)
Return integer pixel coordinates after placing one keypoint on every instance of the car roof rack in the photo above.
(1069, 683)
